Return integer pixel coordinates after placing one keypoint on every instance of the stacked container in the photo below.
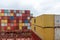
(11, 20)
(47, 26)
(15, 25)
(57, 25)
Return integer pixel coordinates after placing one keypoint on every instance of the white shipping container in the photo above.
(23, 11)
(57, 20)
(57, 33)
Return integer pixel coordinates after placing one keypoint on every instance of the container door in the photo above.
(57, 33)
(57, 20)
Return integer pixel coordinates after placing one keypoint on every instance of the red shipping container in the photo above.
(17, 11)
(2, 10)
(14, 14)
(8, 17)
(15, 24)
(23, 20)
(23, 14)
(15, 18)
(20, 18)
(8, 24)
(17, 21)
(28, 14)
(13, 21)
(13, 28)
(4, 17)
(3, 28)
(27, 11)
(9, 21)
(24, 28)
(24, 17)
(11, 11)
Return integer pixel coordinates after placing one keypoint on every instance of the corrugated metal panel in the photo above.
(57, 33)
(45, 20)
(57, 20)
(45, 33)
(48, 20)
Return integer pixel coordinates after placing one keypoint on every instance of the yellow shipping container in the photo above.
(4, 21)
(32, 20)
(20, 27)
(45, 20)
(8, 28)
(44, 26)
(11, 14)
(2, 14)
(21, 24)
(45, 33)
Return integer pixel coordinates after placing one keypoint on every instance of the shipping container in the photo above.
(44, 33)
(45, 29)
(42, 20)
(47, 26)
(12, 17)
(57, 20)
(57, 33)
(16, 25)
(57, 25)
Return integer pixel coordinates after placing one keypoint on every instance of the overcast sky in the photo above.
(37, 7)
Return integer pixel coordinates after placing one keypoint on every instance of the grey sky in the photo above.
(37, 7)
